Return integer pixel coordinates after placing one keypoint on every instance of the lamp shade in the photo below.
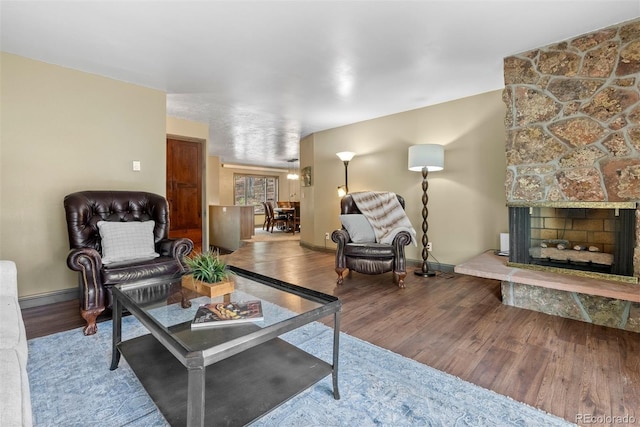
(345, 156)
(430, 156)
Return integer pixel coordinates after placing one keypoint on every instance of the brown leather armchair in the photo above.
(83, 211)
(369, 258)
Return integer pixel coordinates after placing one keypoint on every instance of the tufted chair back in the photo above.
(85, 208)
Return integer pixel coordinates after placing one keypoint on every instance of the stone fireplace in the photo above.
(573, 160)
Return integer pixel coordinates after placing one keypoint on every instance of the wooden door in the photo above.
(184, 190)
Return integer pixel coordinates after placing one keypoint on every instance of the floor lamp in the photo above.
(425, 158)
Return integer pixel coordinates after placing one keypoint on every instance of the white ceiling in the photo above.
(263, 74)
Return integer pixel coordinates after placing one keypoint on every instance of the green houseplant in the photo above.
(207, 267)
(208, 274)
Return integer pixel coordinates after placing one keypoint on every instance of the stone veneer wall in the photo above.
(573, 121)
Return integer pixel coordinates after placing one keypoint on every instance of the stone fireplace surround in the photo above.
(573, 136)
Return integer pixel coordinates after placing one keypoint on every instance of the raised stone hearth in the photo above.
(611, 312)
(601, 302)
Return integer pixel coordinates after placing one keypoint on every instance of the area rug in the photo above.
(71, 385)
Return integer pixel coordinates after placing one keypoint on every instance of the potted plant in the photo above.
(208, 274)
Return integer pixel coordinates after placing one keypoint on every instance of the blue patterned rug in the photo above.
(71, 385)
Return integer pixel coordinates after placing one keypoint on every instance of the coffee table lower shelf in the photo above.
(239, 389)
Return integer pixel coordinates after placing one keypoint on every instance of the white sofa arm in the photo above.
(15, 395)
(8, 279)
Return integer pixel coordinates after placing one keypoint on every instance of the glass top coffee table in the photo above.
(226, 375)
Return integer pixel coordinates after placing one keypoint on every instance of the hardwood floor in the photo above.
(457, 324)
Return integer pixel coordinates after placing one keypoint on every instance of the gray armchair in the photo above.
(369, 258)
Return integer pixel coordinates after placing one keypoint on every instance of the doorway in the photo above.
(185, 160)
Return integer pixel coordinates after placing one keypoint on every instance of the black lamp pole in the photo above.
(424, 270)
(346, 176)
(424, 158)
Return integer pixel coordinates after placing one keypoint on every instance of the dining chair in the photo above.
(268, 216)
(277, 219)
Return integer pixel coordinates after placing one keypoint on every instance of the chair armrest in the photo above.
(401, 239)
(88, 262)
(85, 259)
(176, 248)
(340, 237)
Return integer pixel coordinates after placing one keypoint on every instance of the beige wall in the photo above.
(307, 196)
(63, 131)
(466, 200)
(213, 180)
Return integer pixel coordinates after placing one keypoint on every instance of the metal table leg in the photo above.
(195, 396)
(336, 349)
(117, 333)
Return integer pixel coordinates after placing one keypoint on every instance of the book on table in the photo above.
(227, 313)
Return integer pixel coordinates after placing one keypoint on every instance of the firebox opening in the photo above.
(597, 240)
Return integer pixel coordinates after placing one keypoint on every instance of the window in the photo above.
(252, 190)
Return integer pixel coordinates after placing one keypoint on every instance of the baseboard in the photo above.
(316, 248)
(48, 298)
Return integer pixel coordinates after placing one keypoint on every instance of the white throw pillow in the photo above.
(358, 227)
(127, 241)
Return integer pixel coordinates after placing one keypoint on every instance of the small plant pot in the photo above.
(223, 287)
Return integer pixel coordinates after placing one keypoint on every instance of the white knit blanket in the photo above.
(385, 214)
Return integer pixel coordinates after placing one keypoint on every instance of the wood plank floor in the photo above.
(457, 324)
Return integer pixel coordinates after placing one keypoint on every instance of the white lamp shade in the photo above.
(345, 156)
(430, 156)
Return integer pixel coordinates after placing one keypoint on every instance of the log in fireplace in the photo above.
(586, 238)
